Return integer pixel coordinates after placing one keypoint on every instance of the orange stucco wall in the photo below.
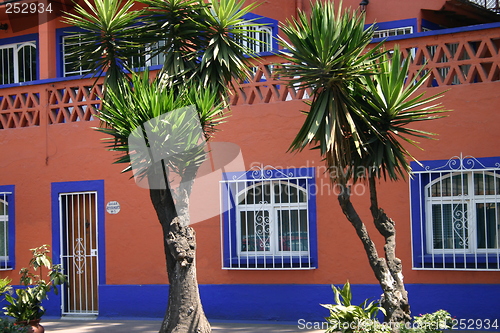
(34, 157)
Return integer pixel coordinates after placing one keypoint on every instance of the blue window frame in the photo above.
(263, 34)
(7, 227)
(269, 219)
(387, 30)
(67, 64)
(18, 59)
(455, 214)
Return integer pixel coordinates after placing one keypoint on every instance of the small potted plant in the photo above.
(40, 278)
(6, 325)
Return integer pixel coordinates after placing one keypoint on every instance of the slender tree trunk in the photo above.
(387, 269)
(184, 312)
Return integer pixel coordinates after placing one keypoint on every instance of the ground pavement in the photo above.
(152, 326)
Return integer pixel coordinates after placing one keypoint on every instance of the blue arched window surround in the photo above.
(269, 219)
(7, 227)
(455, 214)
(265, 27)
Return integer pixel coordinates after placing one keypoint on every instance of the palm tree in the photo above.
(362, 104)
(199, 44)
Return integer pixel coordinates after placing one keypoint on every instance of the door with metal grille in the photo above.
(79, 253)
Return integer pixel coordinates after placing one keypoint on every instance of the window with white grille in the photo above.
(384, 33)
(71, 62)
(148, 56)
(18, 62)
(456, 214)
(6, 227)
(259, 38)
(269, 219)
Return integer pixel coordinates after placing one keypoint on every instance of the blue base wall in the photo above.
(287, 302)
(293, 302)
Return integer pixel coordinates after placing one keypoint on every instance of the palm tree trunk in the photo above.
(387, 269)
(184, 312)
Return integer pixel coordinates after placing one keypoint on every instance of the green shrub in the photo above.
(8, 326)
(348, 318)
(435, 322)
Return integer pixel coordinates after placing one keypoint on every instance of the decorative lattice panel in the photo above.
(73, 103)
(468, 57)
(19, 110)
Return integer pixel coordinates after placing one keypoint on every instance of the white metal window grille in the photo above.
(268, 222)
(147, 56)
(4, 230)
(459, 226)
(384, 33)
(18, 62)
(71, 62)
(493, 5)
(79, 255)
(259, 38)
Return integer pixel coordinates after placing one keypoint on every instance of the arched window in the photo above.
(18, 62)
(6, 227)
(272, 218)
(269, 219)
(260, 39)
(455, 213)
(464, 211)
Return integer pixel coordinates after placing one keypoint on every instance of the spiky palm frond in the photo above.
(391, 103)
(107, 40)
(202, 40)
(327, 52)
(139, 103)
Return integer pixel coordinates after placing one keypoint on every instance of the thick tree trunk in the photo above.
(387, 269)
(184, 312)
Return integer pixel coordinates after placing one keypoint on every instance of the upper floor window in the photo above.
(458, 215)
(147, 56)
(18, 62)
(384, 33)
(71, 62)
(270, 219)
(6, 227)
(260, 38)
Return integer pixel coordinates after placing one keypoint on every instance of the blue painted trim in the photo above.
(79, 186)
(292, 302)
(229, 209)
(447, 165)
(412, 22)
(22, 39)
(268, 22)
(11, 201)
(424, 173)
(430, 25)
(19, 39)
(60, 33)
(477, 27)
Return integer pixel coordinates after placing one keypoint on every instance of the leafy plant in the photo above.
(8, 326)
(435, 322)
(348, 318)
(26, 305)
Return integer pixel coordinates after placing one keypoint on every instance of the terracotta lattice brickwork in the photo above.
(265, 86)
(467, 57)
(77, 102)
(458, 61)
(19, 108)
